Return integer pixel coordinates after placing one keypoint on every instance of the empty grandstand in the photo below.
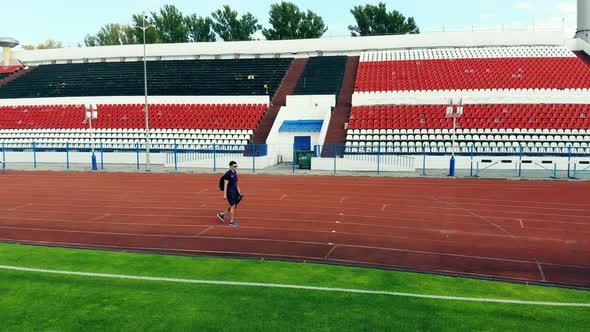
(520, 90)
(177, 78)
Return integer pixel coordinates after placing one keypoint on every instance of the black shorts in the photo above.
(234, 198)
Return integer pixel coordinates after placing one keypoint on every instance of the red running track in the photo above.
(528, 231)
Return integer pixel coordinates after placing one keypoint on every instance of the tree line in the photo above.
(286, 21)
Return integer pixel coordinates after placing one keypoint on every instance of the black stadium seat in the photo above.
(166, 78)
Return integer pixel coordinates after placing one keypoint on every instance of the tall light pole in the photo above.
(454, 111)
(147, 117)
(90, 114)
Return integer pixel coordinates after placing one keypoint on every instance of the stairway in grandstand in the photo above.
(322, 76)
(398, 95)
(336, 135)
(279, 99)
(119, 126)
(582, 55)
(11, 73)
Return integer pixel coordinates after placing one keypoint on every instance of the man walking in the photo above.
(231, 192)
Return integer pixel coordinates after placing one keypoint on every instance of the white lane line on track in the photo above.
(438, 270)
(480, 217)
(98, 218)
(355, 246)
(161, 235)
(19, 207)
(161, 249)
(422, 212)
(541, 270)
(153, 215)
(331, 250)
(434, 230)
(141, 196)
(435, 211)
(286, 286)
(247, 254)
(304, 196)
(461, 256)
(366, 235)
(205, 230)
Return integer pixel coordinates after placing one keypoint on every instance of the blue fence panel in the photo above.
(558, 162)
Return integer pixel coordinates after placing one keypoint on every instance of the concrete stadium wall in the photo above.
(289, 48)
(498, 162)
(311, 107)
(505, 163)
(409, 163)
(222, 162)
(342, 164)
(577, 44)
(527, 96)
(137, 100)
(84, 157)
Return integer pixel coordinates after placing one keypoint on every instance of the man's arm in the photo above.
(225, 183)
(239, 191)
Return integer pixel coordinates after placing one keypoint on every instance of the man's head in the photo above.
(233, 165)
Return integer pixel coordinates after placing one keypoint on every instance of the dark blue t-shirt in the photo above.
(232, 177)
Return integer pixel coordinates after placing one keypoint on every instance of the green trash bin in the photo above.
(304, 159)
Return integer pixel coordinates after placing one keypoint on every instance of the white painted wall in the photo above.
(411, 163)
(577, 44)
(490, 96)
(583, 29)
(310, 107)
(84, 157)
(442, 163)
(343, 164)
(465, 162)
(137, 100)
(291, 48)
(222, 162)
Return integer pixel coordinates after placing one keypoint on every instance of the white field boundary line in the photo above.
(286, 286)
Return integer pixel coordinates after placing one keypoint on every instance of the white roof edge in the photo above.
(293, 48)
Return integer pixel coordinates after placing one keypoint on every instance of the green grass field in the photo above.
(33, 301)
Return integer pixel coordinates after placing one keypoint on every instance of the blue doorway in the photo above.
(302, 143)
